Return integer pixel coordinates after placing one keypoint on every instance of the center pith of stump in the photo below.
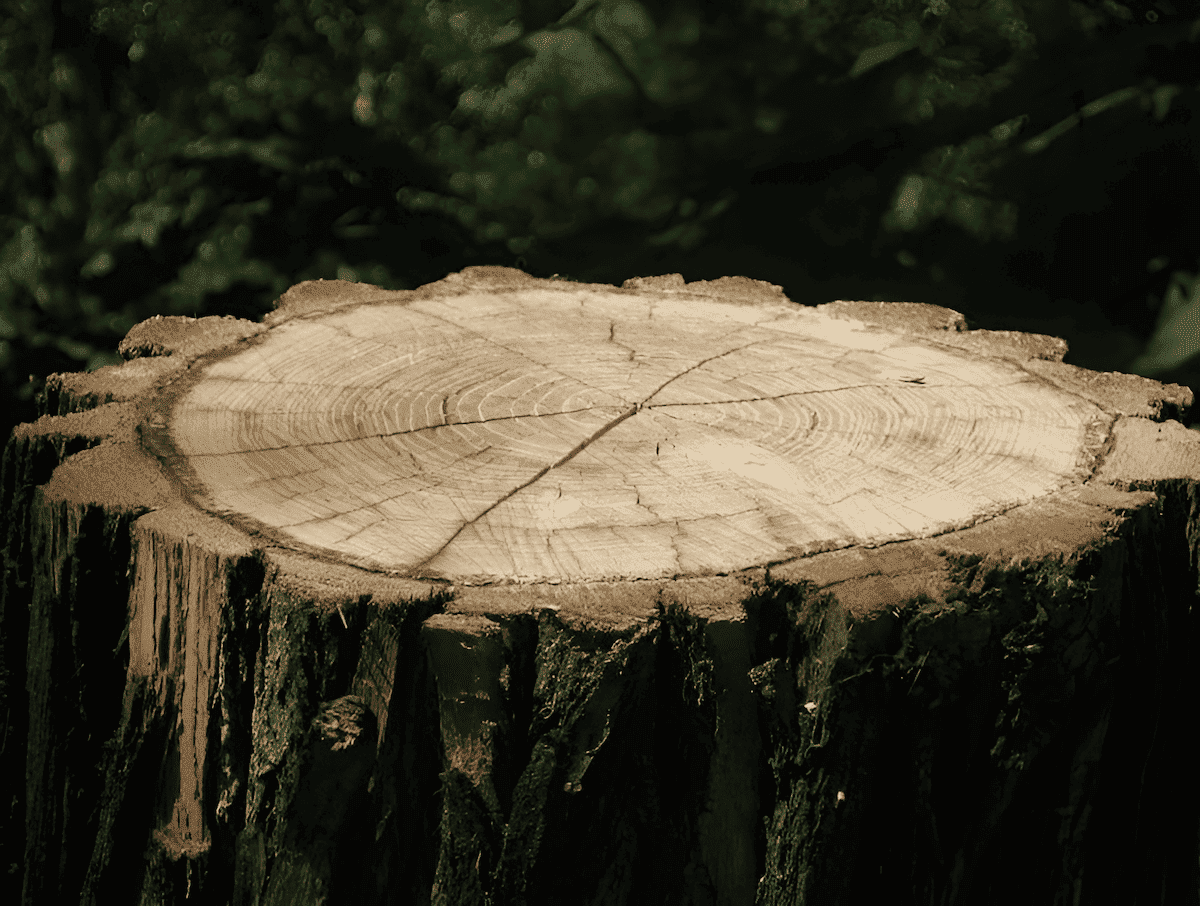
(592, 432)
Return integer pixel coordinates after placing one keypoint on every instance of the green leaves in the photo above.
(572, 65)
(881, 53)
(951, 183)
(541, 130)
(1177, 333)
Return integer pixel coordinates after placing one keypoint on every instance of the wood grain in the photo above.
(527, 431)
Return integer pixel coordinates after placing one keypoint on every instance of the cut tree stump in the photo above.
(519, 591)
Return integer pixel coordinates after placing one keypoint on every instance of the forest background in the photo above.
(1030, 163)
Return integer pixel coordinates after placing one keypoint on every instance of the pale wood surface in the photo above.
(520, 430)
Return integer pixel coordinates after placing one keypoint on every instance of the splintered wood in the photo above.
(528, 431)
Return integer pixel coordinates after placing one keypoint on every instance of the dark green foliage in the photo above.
(197, 158)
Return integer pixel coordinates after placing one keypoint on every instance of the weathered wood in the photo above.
(510, 590)
(521, 431)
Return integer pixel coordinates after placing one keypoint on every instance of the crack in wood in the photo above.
(604, 429)
(894, 443)
(579, 448)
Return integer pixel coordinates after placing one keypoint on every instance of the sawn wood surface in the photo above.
(511, 429)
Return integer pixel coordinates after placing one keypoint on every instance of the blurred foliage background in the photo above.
(1031, 163)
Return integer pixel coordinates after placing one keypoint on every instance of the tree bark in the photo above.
(507, 590)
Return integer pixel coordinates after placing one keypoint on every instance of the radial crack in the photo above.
(600, 432)
(579, 448)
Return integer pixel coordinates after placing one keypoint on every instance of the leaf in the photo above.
(881, 53)
(1177, 335)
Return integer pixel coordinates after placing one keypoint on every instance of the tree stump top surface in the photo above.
(516, 430)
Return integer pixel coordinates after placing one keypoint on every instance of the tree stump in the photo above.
(507, 590)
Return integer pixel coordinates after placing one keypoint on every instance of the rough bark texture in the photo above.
(200, 707)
